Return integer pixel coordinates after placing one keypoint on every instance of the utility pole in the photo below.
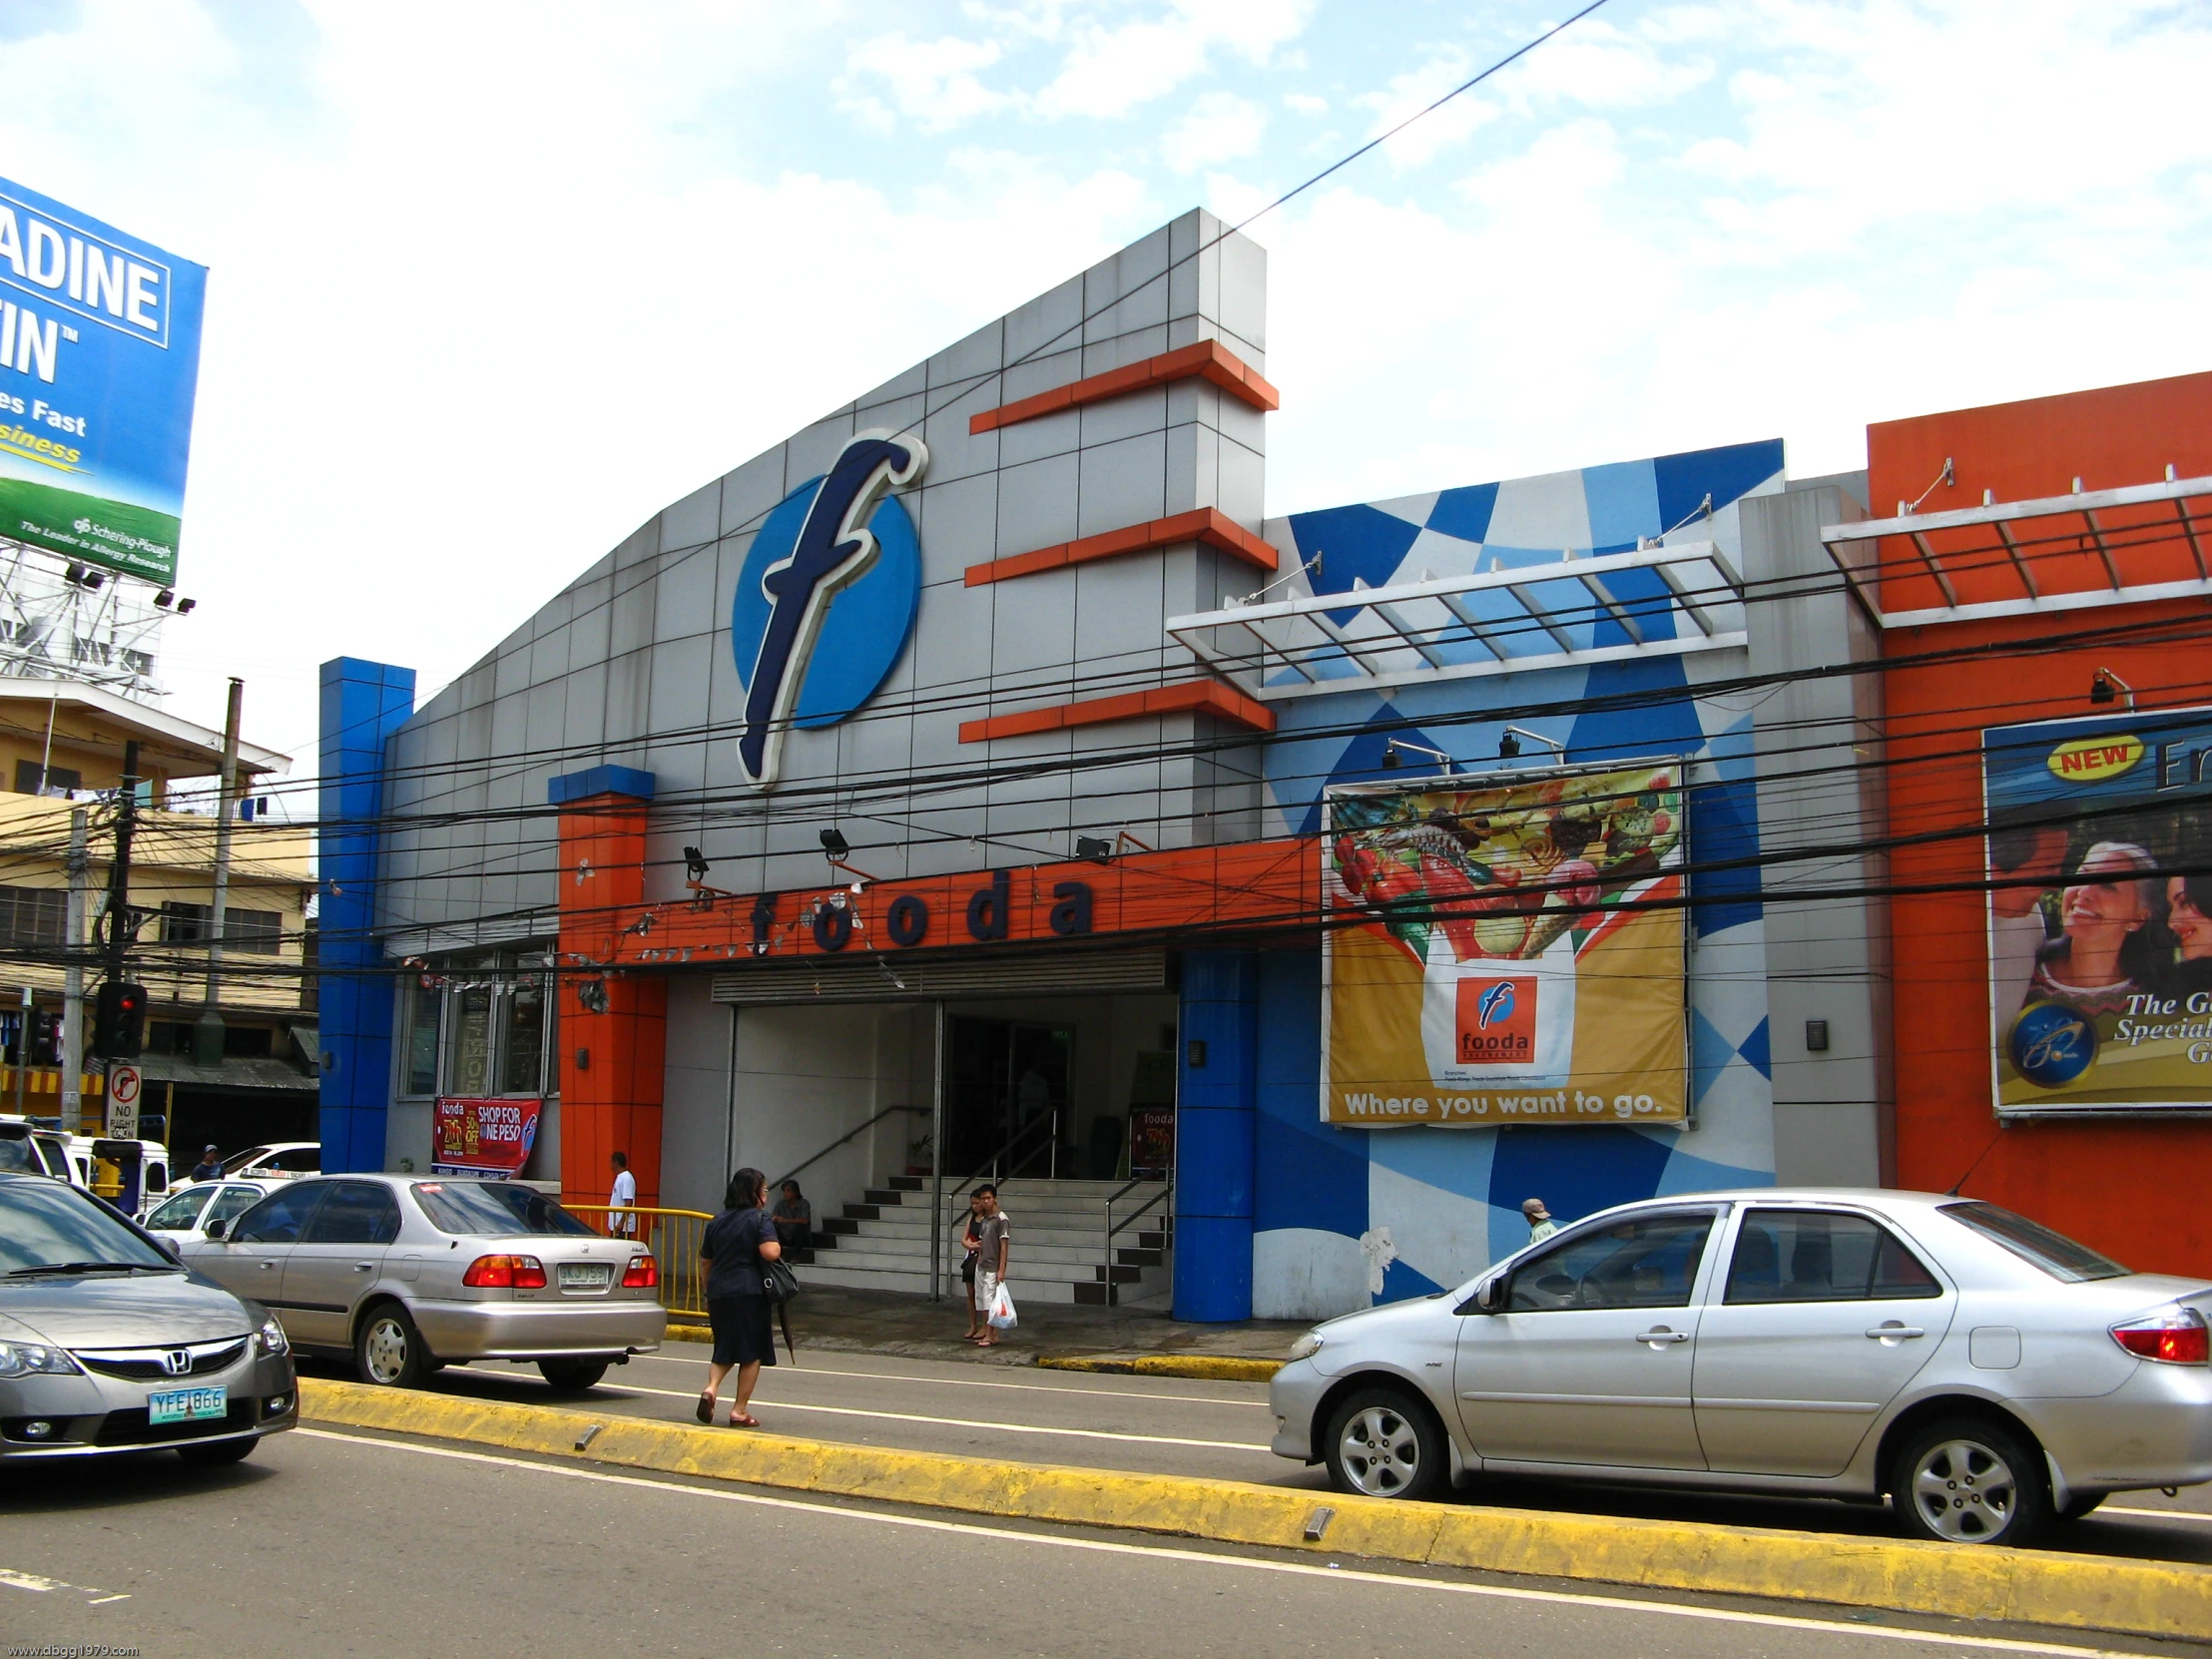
(73, 975)
(207, 1032)
(119, 876)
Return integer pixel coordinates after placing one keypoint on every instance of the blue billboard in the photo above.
(98, 362)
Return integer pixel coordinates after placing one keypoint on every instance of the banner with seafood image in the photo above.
(1512, 953)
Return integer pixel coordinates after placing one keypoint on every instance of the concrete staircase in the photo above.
(1058, 1254)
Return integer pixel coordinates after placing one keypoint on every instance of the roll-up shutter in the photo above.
(950, 979)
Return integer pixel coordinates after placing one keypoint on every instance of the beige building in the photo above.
(62, 750)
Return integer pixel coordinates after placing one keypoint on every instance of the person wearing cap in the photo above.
(210, 1166)
(1540, 1224)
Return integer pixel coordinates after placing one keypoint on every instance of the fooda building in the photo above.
(979, 783)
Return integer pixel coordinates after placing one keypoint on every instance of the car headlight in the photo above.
(35, 1359)
(269, 1340)
(1306, 1346)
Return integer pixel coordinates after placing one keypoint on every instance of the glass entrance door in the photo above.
(1006, 1094)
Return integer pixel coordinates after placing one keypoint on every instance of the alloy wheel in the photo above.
(1381, 1451)
(384, 1350)
(1964, 1492)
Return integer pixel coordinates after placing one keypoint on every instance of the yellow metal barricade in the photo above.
(674, 1236)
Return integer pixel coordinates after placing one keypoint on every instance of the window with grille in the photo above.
(33, 915)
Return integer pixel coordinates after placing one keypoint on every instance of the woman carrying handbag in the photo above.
(739, 1253)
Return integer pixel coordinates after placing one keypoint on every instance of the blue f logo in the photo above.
(1496, 1003)
(833, 549)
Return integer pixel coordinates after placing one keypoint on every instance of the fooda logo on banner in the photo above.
(1497, 1022)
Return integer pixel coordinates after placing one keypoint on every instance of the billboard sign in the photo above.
(1510, 954)
(2099, 914)
(472, 1136)
(99, 364)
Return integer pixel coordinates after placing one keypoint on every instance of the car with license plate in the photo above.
(109, 1345)
(404, 1274)
(1983, 1374)
(183, 1217)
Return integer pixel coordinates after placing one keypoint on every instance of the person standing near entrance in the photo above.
(736, 1245)
(624, 1198)
(991, 1247)
(968, 1225)
(209, 1167)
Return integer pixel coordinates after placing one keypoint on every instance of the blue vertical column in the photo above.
(1216, 1119)
(363, 703)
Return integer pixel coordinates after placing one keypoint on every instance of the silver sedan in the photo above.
(404, 1274)
(1982, 1372)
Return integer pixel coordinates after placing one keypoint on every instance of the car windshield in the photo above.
(180, 1211)
(2034, 1243)
(18, 1153)
(495, 1209)
(45, 1227)
(239, 1160)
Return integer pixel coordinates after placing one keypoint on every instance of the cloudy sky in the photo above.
(492, 283)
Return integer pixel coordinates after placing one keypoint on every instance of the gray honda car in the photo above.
(107, 1344)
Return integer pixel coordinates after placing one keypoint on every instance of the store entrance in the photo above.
(1064, 1088)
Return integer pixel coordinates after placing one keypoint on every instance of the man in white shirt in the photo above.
(624, 1197)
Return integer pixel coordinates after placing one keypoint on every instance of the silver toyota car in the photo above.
(404, 1274)
(1979, 1370)
(107, 1345)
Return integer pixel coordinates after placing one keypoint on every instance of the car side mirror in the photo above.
(219, 1231)
(1489, 1297)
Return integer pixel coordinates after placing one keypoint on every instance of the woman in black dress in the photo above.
(737, 1242)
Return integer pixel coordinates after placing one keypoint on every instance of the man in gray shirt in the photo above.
(991, 1235)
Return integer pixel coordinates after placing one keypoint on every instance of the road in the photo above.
(344, 1545)
(1169, 1425)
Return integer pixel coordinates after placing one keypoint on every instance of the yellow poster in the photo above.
(1508, 954)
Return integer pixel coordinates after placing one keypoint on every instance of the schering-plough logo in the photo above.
(1497, 1022)
(827, 597)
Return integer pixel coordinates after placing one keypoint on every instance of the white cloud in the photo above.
(1115, 69)
(1408, 94)
(933, 83)
(1218, 127)
(1304, 103)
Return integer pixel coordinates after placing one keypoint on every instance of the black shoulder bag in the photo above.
(780, 1285)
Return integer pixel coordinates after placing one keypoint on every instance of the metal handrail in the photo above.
(989, 1166)
(667, 1234)
(1112, 1227)
(841, 1139)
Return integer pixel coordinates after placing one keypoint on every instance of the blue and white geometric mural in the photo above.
(1347, 1217)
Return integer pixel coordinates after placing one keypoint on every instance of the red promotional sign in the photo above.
(485, 1137)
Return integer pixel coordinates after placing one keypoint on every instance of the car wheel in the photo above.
(573, 1375)
(217, 1452)
(1384, 1443)
(1967, 1480)
(387, 1349)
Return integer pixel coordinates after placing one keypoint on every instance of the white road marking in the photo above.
(32, 1581)
(2158, 1515)
(979, 1382)
(1242, 1563)
(948, 1422)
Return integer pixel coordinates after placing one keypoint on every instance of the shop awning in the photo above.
(2020, 558)
(1571, 610)
(256, 1075)
(947, 979)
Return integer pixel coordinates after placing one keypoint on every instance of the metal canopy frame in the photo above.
(1413, 633)
(2012, 544)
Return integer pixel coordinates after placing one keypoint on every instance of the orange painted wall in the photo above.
(2134, 1189)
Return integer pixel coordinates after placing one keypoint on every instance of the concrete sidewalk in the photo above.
(888, 1322)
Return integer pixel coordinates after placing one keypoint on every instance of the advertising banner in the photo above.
(99, 363)
(483, 1137)
(2100, 914)
(1516, 959)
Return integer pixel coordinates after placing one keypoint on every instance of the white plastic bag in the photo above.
(1002, 1316)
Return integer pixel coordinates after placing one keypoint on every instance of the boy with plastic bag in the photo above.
(991, 1235)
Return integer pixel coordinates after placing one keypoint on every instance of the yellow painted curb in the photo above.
(1957, 1580)
(1214, 1368)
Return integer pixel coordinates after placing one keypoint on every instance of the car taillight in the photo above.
(2175, 1336)
(643, 1273)
(505, 1273)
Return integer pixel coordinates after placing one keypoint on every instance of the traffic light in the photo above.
(118, 1020)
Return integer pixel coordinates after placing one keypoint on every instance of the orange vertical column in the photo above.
(613, 1028)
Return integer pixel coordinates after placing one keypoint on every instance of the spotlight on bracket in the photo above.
(1509, 744)
(835, 843)
(695, 864)
(1397, 749)
(166, 598)
(2109, 687)
(1091, 848)
(184, 606)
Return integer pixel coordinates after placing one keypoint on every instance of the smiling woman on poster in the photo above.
(2103, 957)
